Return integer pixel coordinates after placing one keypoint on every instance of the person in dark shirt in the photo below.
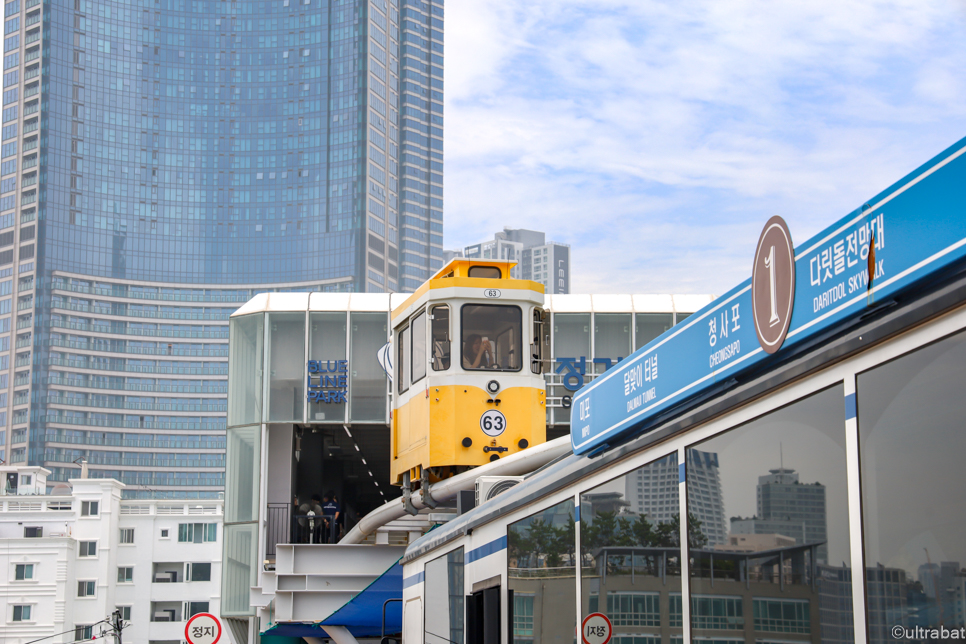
(331, 510)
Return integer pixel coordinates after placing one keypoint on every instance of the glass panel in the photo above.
(247, 335)
(571, 350)
(631, 553)
(491, 337)
(239, 569)
(911, 444)
(537, 342)
(650, 325)
(418, 330)
(201, 572)
(443, 618)
(612, 338)
(681, 317)
(442, 338)
(242, 474)
(541, 570)
(782, 566)
(402, 361)
(327, 343)
(287, 360)
(367, 385)
(488, 272)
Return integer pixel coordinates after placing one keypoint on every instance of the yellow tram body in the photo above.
(468, 350)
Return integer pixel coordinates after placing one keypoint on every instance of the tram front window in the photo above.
(491, 337)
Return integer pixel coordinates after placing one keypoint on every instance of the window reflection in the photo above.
(541, 576)
(630, 553)
(444, 599)
(911, 447)
(779, 568)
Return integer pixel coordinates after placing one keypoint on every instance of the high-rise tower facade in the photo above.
(162, 161)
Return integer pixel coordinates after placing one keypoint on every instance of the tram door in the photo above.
(483, 616)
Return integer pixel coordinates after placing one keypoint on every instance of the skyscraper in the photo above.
(653, 491)
(790, 508)
(162, 161)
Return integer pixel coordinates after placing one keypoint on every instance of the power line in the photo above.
(114, 622)
(73, 630)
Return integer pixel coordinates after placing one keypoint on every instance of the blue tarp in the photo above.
(362, 614)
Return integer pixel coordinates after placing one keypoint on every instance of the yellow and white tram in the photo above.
(468, 351)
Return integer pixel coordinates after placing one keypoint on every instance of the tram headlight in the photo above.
(493, 386)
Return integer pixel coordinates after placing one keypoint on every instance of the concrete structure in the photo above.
(69, 558)
(244, 153)
(537, 259)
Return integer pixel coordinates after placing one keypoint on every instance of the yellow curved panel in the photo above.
(428, 432)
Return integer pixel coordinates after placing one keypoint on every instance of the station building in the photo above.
(301, 444)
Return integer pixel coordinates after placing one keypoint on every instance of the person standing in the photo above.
(331, 510)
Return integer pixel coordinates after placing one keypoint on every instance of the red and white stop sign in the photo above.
(203, 628)
(596, 629)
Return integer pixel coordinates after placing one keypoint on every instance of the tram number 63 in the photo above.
(493, 422)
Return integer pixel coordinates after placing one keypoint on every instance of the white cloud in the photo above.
(657, 137)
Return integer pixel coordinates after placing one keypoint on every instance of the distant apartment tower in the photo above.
(788, 507)
(653, 492)
(536, 258)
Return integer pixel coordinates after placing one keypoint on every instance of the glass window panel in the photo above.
(402, 361)
(911, 443)
(367, 382)
(327, 342)
(442, 338)
(200, 572)
(780, 565)
(443, 618)
(241, 542)
(487, 272)
(242, 478)
(630, 548)
(418, 330)
(491, 336)
(612, 338)
(650, 325)
(245, 369)
(287, 360)
(571, 339)
(541, 565)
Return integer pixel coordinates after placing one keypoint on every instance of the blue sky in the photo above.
(656, 138)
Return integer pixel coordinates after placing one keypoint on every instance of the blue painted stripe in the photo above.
(680, 472)
(486, 550)
(850, 409)
(418, 578)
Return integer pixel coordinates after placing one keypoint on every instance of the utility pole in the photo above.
(118, 625)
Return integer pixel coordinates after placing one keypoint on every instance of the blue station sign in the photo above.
(902, 236)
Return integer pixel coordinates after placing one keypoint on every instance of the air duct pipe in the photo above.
(516, 465)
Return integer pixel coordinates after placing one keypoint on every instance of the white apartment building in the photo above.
(71, 556)
(536, 258)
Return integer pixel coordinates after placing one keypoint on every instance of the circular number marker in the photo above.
(596, 629)
(493, 422)
(203, 628)
(773, 284)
